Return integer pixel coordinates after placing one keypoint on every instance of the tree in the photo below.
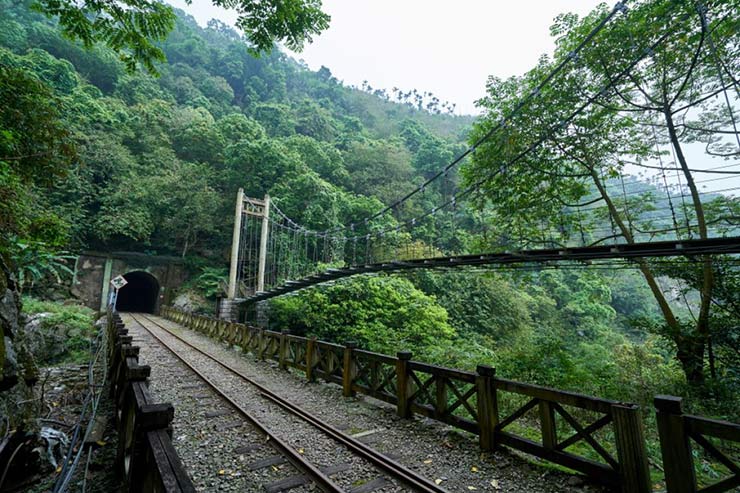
(536, 198)
(378, 167)
(133, 28)
(382, 314)
(35, 149)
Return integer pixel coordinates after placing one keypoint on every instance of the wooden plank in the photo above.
(403, 384)
(487, 407)
(595, 470)
(631, 449)
(713, 427)
(722, 485)
(215, 414)
(228, 426)
(171, 470)
(286, 484)
(267, 462)
(371, 486)
(451, 373)
(559, 396)
(245, 449)
(349, 368)
(369, 355)
(547, 425)
(675, 447)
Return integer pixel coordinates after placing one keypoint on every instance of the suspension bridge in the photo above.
(659, 203)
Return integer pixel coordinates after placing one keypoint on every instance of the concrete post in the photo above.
(263, 245)
(235, 239)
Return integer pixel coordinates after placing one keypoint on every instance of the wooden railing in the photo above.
(146, 458)
(677, 431)
(544, 422)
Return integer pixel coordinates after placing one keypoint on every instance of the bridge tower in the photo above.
(240, 287)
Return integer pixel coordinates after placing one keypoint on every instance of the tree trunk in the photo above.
(702, 321)
(647, 272)
(689, 350)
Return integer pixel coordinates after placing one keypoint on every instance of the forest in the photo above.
(103, 152)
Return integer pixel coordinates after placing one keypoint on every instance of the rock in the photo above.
(575, 481)
(9, 374)
(9, 312)
(189, 302)
(43, 341)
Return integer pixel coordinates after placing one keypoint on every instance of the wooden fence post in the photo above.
(547, 425)
(310, 358)
(487, 407)
(675, 447)
(631, 449)
(404, 388)
(349, 369)
(283, 353)
(261, 344)
(440, 397)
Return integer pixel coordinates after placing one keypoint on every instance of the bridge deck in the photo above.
(674, 248)
(209, 446)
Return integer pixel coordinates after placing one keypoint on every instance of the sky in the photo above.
(447, 48)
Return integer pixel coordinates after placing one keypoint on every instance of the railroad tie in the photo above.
(373, 485)
(245, 449)
(274, 460)
(301, 479)
(215, 414)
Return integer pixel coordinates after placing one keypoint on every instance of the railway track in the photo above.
(380, 471)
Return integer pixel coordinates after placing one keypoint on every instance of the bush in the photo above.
(384, 314)
(70, 324)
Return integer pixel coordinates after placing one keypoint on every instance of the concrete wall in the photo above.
(94, 270)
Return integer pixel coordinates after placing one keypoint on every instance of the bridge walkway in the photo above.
(213, 450)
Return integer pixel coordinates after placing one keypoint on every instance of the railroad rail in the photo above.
(309, 471)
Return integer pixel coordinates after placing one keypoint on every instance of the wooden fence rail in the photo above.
(677, 431)
(547, 423)
(146, 458)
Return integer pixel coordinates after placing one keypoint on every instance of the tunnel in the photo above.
(140, 294)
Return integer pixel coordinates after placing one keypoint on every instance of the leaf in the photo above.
(494, 483)
(428, 461)
(473, 469)
(472, 488)
(222, 472)
(437, 481)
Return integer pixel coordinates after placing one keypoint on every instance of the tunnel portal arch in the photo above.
(140, 294)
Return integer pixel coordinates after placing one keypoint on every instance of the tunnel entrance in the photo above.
(140, 294)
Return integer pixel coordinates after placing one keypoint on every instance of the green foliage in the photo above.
(35, 261)
(533, 168)
(384, 314)
(130, 27)
(294, 22)
(71, 323)
(134, 28)
(211, 281)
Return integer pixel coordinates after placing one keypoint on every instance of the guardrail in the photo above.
(677, 430)
(146, 458)
(541, 421)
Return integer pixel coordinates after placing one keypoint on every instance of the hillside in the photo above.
(160, 159)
